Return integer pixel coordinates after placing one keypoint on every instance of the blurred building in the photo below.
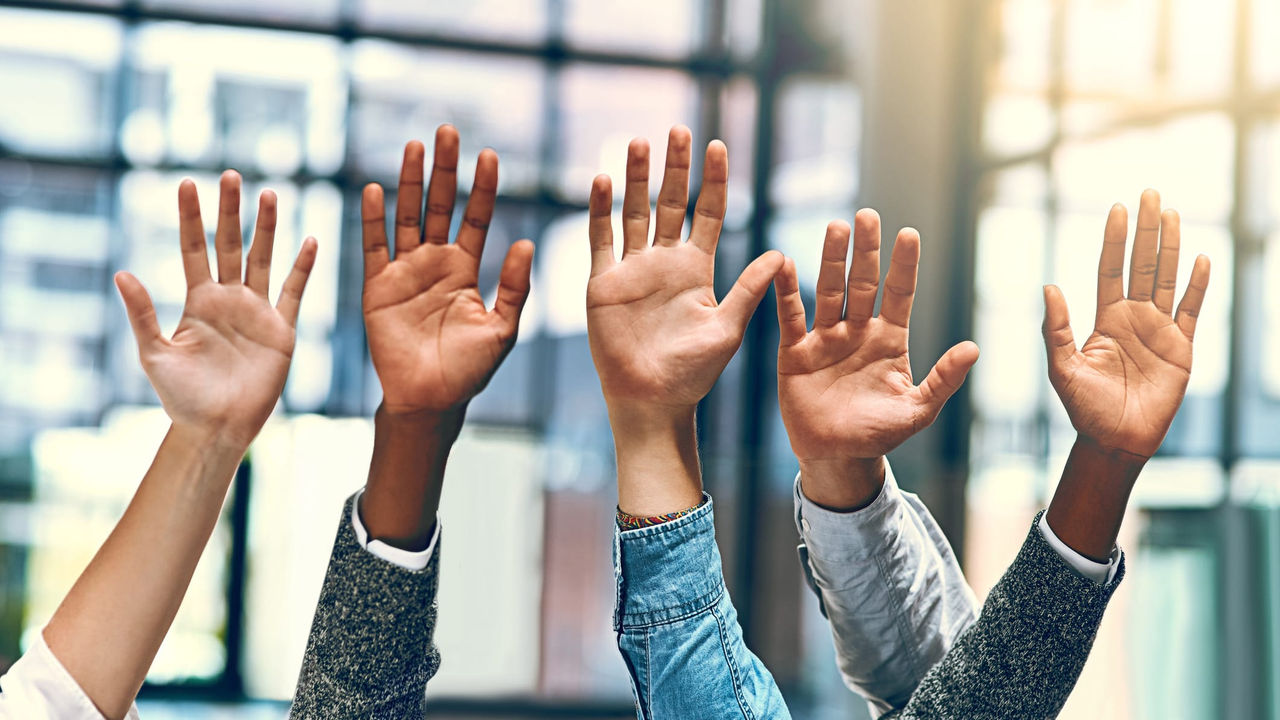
(1002, 129)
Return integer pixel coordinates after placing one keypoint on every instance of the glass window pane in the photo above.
(603, 108)
(669, 28)
(521, 20)
(62, 65)
(214, 96)
(316, 11)
(1198, 179)
(816, 145)
(404, 93)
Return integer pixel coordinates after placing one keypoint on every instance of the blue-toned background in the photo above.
(1002, 129)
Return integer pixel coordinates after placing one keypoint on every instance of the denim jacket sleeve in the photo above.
(888, 582)
(678, 631)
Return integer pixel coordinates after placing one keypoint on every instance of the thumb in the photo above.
(947, 376)
(745, 295)
(1059, 343)
(142, 314)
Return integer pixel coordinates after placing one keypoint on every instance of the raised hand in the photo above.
(224, 368)
(218, 377)
(658, 337)
(845, 388)
(1123, 387)
(433, 342)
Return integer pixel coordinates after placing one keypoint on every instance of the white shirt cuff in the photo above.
(1100, 573)
(408, 559)
(38, 686)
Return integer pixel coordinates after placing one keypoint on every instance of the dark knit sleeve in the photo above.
(1023, 656)
(370, 653)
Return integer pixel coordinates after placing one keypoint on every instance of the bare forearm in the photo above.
(657, 452)
(1090, 501)
(406, 475)
(110, 625)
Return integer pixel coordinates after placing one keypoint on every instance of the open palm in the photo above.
(657, 334)
(845, 389)
(433, 343)
(1124, 386)
(225, 365)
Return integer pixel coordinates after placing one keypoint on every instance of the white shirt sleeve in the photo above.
(407, 559)
(1101, 573)
(38, 686)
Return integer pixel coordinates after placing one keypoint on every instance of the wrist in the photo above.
(435, 423)
(657, 454)
(1089, 503)
(406, 474)
(211, 442)
(842, 484)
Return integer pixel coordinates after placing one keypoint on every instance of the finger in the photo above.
(1142, 266)
(600, 226)
(227, 239)
(1059, 342)
(195, 249)
(749, 290)
(946, 377)
(708, 216)
(479, 212)
(673, 198)
(900, 281)
(258, 273)
(443, 189)
(864, 270)
(829, 308)
(409, 198)
(1111, 263)
(791, 320)
(373, 220)
(513, 284)
(1167, 264)
(1193, 298)
(635, 198)
(141, 312)
(291, 293)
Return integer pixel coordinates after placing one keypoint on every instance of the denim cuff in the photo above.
(667, 572)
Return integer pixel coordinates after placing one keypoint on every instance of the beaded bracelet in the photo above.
(633, 522)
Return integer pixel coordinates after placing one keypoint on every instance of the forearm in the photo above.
(406, 475)
(112, 622)
(1089, 503)
(657, 453)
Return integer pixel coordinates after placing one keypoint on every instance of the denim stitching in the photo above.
(687, 610)
(733, 667)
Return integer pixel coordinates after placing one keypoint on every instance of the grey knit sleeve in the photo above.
(1023, 656)
(370, 653)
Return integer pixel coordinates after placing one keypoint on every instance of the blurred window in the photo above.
(1144, 93)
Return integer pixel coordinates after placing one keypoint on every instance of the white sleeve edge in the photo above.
(415, 560)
